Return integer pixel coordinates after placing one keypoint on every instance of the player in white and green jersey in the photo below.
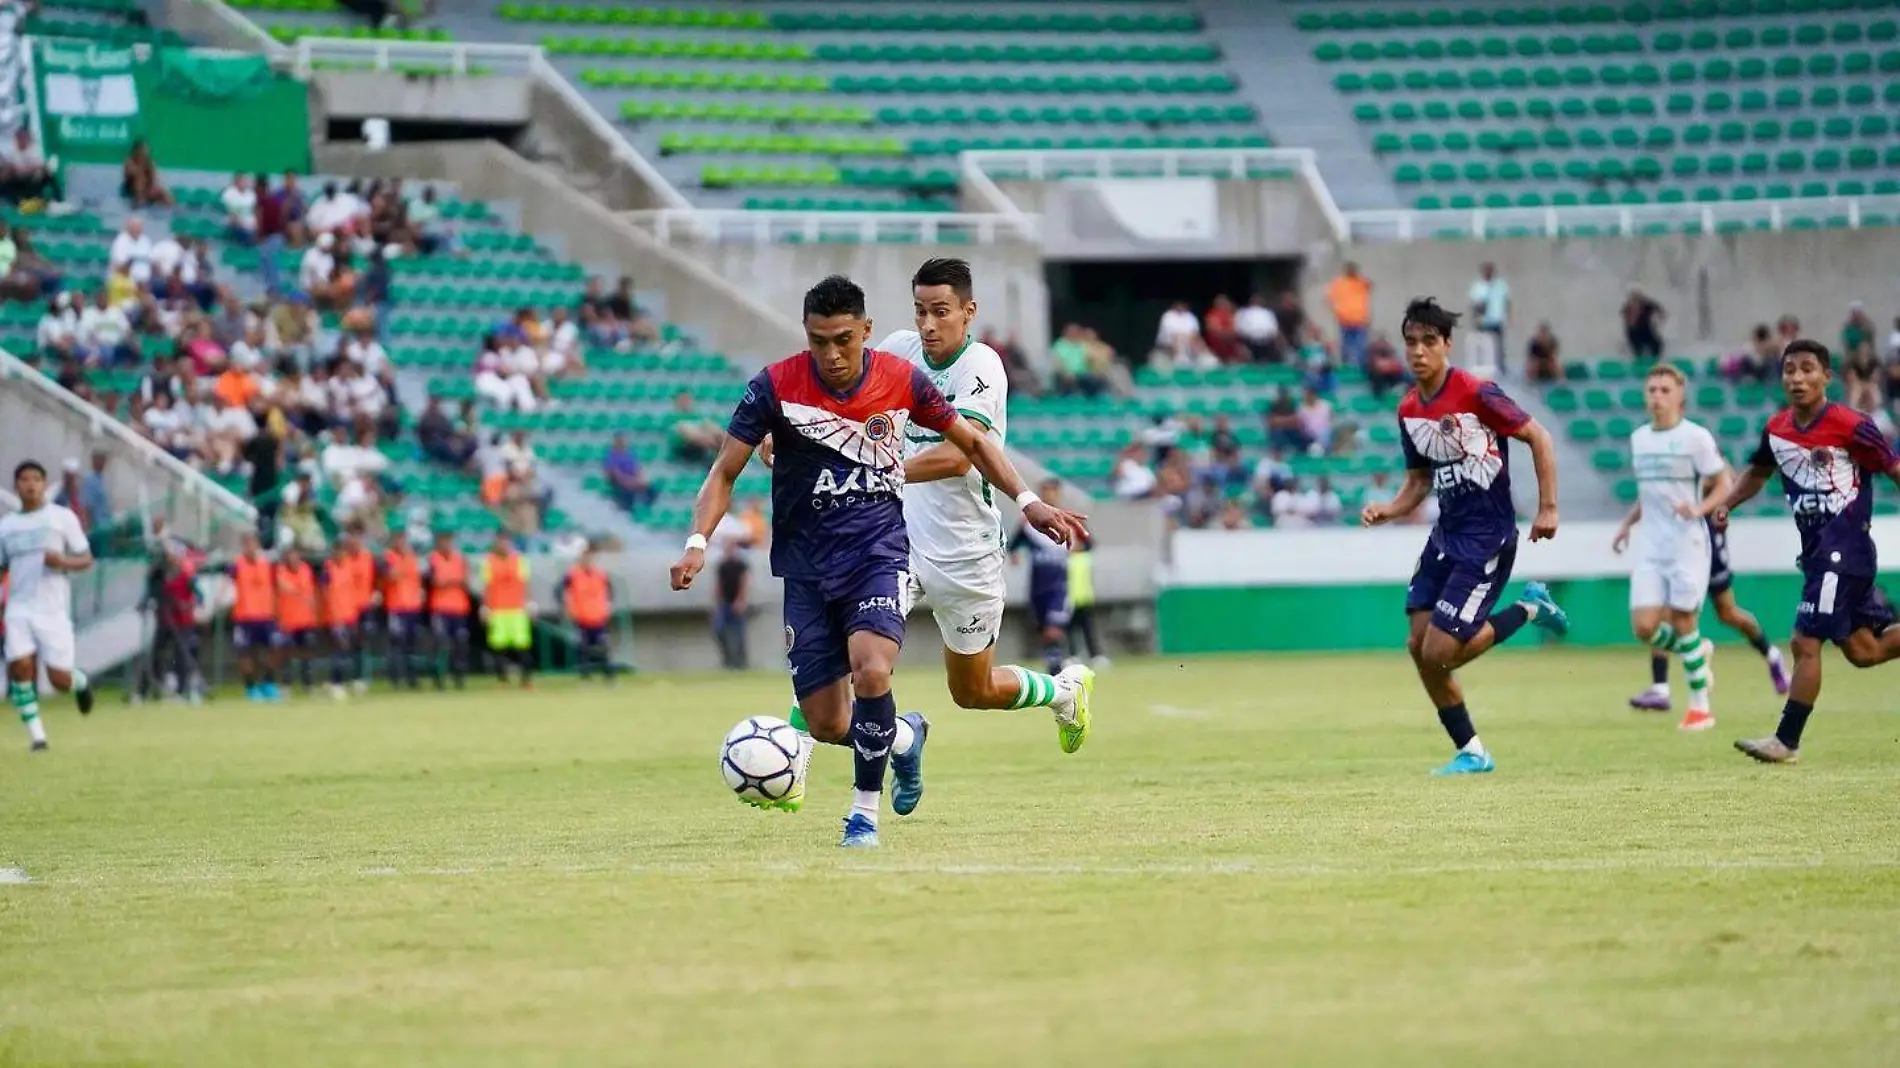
(957, 545)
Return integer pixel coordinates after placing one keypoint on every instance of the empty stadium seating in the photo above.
(1632, 103)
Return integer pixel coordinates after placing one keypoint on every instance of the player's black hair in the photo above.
(1426, 312)
(28, 465)
(944, 271)
(835, 295)
(1812, 348)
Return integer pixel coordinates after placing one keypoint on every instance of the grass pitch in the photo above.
(1246, 865)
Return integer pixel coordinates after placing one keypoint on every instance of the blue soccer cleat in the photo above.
(907, 771)
(253, 694)
(859, 833)
(1468, 764)
(1549, 615)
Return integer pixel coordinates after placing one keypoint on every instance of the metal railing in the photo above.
(984, 168)
(311, 54)
(814, 227)
(1623, 220)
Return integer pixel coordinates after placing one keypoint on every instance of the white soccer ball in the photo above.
(759, 758)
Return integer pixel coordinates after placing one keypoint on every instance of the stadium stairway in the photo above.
(1278, 77)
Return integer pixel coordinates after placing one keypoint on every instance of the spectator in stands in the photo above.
(1131, 476)
(374, 292)
(441, 441)
(1022, 379)
(167, 422)
(1858, 330)
(332, 210)
(1225, 464)
(562, 357)
(340, 295)
(1220, 332)
(24, 175)
(1178, 339)
(94, 497)
(1071, 363)
(30, 261)
(1642, 325)
(1294, 325)
(692, 438)
(350, 455)
(432, 233)
(520, 357)
(274, 222)
(240, 209)
(361, 347)
(228, 428)
(355, 396)
(316, 268)
(627, 310)
(1105, 366)
(389, 224)
(57, 336)
(1760, 361)
(1861, 370)
(627, 482)
(1385, 368)
(1270, 475)
(1259, 330)
(1233, 516)
(139, 182)
(132, 251)
(498, 383)
(1490, 300)
(1284, 428)
(1541, 363)
(105, 334)
(1350, 296)
(1316, 420)
(1295, 507)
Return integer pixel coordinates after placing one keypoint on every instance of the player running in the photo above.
(1452, 429)
(40, 545)
(1825, 453)
(1673, 457)
(838, 413)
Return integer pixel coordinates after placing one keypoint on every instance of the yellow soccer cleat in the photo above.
(1073, 729)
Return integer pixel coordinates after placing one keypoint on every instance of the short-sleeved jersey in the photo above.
(1824, 471)
(837, 459)
(25, 539)
(1458, 434)
(1670, 467)
(955, 518)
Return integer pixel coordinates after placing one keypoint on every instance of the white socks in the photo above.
(865, 803)
(1474, 747)
(906, 739)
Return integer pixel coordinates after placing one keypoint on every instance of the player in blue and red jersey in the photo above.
(836, 415)
(1826, 454)
(1454, 428)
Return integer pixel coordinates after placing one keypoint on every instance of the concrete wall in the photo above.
(495, 99)
(1258, 219)
(1011, 294)
(1715, 288)
(730, 318)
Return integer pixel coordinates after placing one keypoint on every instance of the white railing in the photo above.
(1626, 220)
(867, 227)
(311, 54)
(19, 375)
(984, 168)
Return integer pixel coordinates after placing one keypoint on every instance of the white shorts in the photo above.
(966, 597)
(1681, 584)
(50, 637)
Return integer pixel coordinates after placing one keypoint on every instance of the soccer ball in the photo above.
(759, 758)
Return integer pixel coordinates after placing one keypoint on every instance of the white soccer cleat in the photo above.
(338, 693)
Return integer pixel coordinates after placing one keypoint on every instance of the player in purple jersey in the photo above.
(1826, 454)
(836, 414)
(1455, 429)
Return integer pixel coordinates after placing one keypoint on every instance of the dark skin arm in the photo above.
(988, 457)
(1742, 492)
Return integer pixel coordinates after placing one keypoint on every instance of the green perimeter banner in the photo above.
(197, 110)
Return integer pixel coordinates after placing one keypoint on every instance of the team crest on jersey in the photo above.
(1827, 476)
(878, 427)
(1463, 447)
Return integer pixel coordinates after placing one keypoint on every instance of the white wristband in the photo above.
(696, 540)
(1027, 498)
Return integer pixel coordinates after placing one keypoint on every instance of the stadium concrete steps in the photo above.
(1582, 491)
(1274, 63)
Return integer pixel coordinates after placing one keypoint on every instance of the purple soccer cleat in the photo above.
(1778, 671)
(1651, 700)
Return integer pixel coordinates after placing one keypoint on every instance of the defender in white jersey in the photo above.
(40, 545)
(957, 543)
(1674, 458)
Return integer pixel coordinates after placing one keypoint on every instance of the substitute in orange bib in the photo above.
(506, 608)
(362, 570)
(343, 611)
(587, 595)
(299, 614)
(254, 619)
(401, 573)
(449, 606)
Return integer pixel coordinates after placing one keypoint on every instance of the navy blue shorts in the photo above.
(822, 614)
(1721, 579)
(1834, 606)
(345, 635)
(253, 635)
(1459, 595)
(405, 625)
(304, 639)
(450, 627)
(1050, 607)
(593, 636)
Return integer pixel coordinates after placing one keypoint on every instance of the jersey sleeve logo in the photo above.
(1459, 443)
(1826, 477)
(870, 443)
